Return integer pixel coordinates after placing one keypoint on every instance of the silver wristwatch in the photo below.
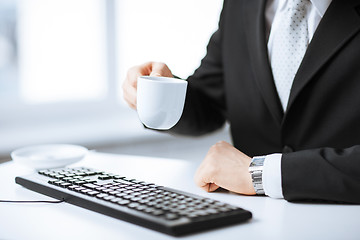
(256, 169)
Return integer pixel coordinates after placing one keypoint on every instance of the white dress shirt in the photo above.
(272, 165)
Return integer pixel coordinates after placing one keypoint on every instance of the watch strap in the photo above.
(256, 171)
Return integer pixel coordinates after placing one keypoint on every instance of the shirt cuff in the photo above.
(272, 176)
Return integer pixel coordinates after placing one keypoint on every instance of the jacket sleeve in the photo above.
(322, 174)
(204, 109)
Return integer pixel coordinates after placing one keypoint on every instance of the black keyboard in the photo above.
(156, 207)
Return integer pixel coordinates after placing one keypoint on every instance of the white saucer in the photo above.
(49, 155)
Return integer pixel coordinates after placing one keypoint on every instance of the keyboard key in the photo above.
(85, 179)
(135, 199)
(144, 201)
(147, 184)
(219, 204)
(79, 182)
(137, 189)
(59, 176)
(52, 175)
(58, 182)
(123, 202)
(108, 198)
(133, 205)
(212, 211)
(136, 181)
(123, 181)
(91, 186)
(121, 194)
(118, 177)
(192, 215)
(149, 210)
(171, 216)
(65, 185)
(104, 177)
(43, 172)
(151, 204)
(70, 175)
(92, 193)
(79, 189)
(101, 195)
(67, 179)
(72, 187)
(223, 209)
(107, 190)
(52, 181)
(135, 194)
(114, 192)
(165, 208)
(158, 212)
(140, 208)
(115, 200)
(85, 190)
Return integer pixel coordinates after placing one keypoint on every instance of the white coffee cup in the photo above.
(160, 101)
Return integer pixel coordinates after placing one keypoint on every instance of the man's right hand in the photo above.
(129, 86)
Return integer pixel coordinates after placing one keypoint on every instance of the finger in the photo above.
(209, 187)
(155, 74)
(130, 96)
(212, 187)
(160, 69)
(132, 77)
(130, 103)
(137, 71)
(202, 180)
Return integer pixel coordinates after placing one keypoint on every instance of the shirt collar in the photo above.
(321, 6)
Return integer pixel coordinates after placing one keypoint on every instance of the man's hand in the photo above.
(225, 166)
(129, 86)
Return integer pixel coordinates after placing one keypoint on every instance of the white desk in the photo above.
(272, 219)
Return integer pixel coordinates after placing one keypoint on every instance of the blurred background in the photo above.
(62, 63)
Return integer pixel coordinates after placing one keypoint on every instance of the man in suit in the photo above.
(285, 74)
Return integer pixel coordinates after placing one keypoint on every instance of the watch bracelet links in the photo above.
(256, 177)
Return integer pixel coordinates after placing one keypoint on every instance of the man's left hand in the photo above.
(225, 166)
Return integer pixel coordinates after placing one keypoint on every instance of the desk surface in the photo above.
(272, 218)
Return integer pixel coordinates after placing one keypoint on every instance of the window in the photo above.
(173, 32)
(54, 76)
(62, 50)
(8, 52)
(62, 63)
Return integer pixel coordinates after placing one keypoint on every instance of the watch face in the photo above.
(257, 162)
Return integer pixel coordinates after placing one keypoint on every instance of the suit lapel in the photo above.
(340, 22)
(254, 25)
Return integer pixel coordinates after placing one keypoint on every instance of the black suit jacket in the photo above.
(319, 133)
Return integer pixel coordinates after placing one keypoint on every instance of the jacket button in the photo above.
(287, 149)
